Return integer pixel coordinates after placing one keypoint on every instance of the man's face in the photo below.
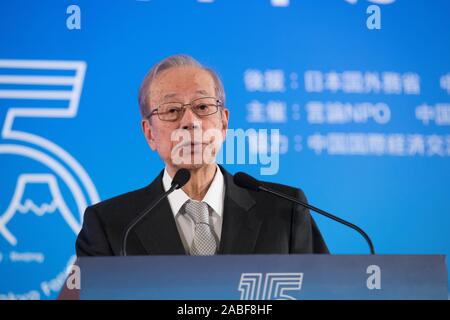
(191, 141)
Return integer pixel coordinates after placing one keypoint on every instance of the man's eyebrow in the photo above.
(204, 92)
(173, 95)
(170, 95)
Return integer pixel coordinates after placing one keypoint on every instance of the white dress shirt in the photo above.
(214, 198)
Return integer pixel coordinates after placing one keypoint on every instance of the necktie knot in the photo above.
(198, 210)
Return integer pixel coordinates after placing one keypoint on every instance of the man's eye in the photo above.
(202, 107)
(173, 110)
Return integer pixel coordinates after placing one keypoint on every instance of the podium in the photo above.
(264, 277)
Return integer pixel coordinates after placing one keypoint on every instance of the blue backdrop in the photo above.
(363, 114)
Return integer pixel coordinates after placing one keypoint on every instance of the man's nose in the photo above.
(189, 120)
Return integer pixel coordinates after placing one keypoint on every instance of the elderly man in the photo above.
(185, 120)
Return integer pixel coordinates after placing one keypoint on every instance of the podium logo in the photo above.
(274, 286)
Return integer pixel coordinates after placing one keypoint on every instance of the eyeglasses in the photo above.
(173, 111)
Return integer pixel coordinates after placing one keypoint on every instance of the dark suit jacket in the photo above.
(253, 223)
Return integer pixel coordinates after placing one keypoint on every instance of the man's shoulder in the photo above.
(132, 199)
(289, 190)
(122, 200)
(261, 196)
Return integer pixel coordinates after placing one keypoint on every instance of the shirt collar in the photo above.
(214, 196)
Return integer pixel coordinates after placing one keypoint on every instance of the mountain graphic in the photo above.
(23, 205)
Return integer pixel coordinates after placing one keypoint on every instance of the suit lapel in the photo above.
(240, 226)
(158, 232)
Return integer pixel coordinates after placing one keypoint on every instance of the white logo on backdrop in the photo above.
(28, 75)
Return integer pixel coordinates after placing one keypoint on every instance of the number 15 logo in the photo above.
(274, 287)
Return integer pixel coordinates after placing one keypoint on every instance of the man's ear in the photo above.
(147, 130)
(225, 117)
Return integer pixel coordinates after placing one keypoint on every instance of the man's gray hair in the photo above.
(178, 60)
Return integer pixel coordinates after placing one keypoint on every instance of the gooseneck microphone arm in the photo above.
(246, 181)
(179, 180)
(326, 214)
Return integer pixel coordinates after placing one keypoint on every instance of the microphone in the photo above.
(245, 181)
(179, 180)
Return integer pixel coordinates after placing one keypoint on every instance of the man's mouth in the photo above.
(193, 144)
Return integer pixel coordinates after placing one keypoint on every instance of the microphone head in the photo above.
(181, 178)
(245, 181)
